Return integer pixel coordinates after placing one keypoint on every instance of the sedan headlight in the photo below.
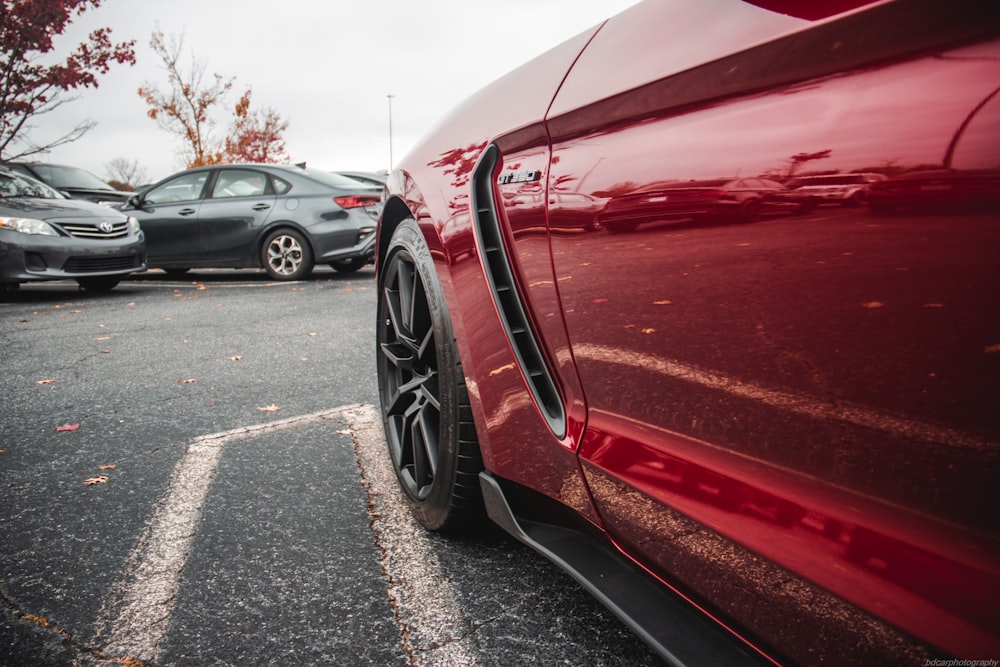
(28, 226)
(133, 226)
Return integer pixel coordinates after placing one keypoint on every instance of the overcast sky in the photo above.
(325, 67)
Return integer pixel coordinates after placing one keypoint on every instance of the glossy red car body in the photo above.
(794, 424)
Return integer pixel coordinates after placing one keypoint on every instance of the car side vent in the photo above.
(508, 300)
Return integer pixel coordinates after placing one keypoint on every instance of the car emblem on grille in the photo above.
(106, 227)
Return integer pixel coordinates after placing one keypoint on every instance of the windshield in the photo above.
(16, 185)
(59, 176)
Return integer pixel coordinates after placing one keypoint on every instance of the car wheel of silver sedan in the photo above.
(425, 407)
(286, 255)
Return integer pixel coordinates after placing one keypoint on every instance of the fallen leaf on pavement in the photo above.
(45, 381)
(270, 408)
(110, 466)
(101, 479)
(235, 357)
(188, 381)
(68, 427)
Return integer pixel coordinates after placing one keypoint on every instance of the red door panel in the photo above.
(810, 396)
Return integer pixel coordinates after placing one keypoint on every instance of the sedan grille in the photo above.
(96, 230)
(102, 264)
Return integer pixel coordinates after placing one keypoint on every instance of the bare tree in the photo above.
(183, 109)
(125, 174)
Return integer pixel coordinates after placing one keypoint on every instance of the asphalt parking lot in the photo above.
(192, 473)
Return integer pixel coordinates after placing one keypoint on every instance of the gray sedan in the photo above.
(283, 219)
(46, 236)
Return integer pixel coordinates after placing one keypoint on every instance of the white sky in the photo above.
(326, 67)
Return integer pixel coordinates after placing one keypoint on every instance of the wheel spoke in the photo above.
(428, 426)
(409, 376)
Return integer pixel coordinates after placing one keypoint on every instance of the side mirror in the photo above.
(135, 201)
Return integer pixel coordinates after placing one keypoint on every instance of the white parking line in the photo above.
(133, 623)
(433, 625)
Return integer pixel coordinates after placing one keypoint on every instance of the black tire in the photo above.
(621, 227)
(749, 211)
(348, 265)
(286, 255)
(425, 407)
(98, 283)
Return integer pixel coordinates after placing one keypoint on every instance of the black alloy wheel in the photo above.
(425, 407)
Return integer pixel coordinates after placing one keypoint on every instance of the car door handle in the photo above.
(260, 207)
(186, 211)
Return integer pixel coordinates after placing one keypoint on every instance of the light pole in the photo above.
(389, 97)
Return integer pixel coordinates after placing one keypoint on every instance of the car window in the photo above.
(239, 183)
(280, 187)
(183, 188)
(62, 176)
(17, 185)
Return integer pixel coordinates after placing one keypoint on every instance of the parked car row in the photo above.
(282, 219)
(288, 219)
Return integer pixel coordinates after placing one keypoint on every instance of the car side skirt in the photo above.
(668, 623)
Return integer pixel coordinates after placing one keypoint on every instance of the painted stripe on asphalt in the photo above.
(134, 622)
(434, 627)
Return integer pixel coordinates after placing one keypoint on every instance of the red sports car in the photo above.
(776, 442)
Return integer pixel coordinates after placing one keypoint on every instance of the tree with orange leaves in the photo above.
(256, 135)
(184, 111)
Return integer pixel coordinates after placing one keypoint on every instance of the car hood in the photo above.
(55, 209)
(103, 195)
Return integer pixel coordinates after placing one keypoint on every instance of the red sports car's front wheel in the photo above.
(425, 407)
